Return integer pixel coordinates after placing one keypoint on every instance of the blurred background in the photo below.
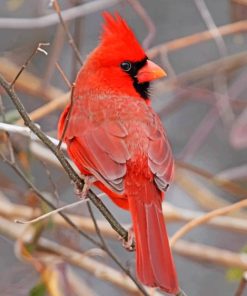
(202, 103)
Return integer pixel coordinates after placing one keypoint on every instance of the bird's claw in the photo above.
(129, 245)
(88, 182)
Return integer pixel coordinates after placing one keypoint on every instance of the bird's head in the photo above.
(119, 62)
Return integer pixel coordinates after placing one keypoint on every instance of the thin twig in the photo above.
(45, 200)
(223, 183)
(220, 82)
(209, 254)
(202, 8)
(78, 34)
(55, 51)
(196, 38)
(46, 215)
(54, 186)
(96, 226)
(111, 254)
(65, 78)
(66, 30)
(58, 103)
(139, 8)
(28, 82)
(204, 218)
(38, 48)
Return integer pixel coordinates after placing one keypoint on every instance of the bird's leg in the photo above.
(88, 182)
(129, 245)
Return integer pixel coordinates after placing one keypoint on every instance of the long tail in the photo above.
(154, 262)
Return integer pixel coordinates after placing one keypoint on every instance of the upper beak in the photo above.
(150, 72)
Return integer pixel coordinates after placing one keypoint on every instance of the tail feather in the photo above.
(155, 266)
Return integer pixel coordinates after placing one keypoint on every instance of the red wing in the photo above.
(160, 158)
(102, 151)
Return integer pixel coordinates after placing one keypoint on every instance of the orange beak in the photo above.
(150, 72)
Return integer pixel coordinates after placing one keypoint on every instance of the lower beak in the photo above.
(150, 72)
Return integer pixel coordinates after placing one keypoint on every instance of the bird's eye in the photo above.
(126, 66)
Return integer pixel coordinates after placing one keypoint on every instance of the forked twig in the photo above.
(38, 48)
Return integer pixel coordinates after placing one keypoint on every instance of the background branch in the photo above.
(52, 19)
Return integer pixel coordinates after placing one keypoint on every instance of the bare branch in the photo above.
(66, 30)
(55, 51)
(201, 6)
(110, 253)
(194, 251)
(46, 109)
(210, 254)
(222, 182)
(203, 219)
(62, 159)
(147, 21)
(29, 82)
(45, 200)
(25, 131)
(49, 214)
(197, 38)
(65, 78)
(52, 19)
(38, 48)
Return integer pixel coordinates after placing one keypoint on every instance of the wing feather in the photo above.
(103, 152)
(160, 159)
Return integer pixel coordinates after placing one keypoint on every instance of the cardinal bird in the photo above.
(114, 135)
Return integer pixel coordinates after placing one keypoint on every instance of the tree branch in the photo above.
(206, 217)
(62, 159)
(67, 32)
(52, 19)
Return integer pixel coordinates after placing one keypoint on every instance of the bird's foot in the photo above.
(129, 245)
(88, 182)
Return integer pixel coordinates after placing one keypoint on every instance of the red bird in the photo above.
(114, 135)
